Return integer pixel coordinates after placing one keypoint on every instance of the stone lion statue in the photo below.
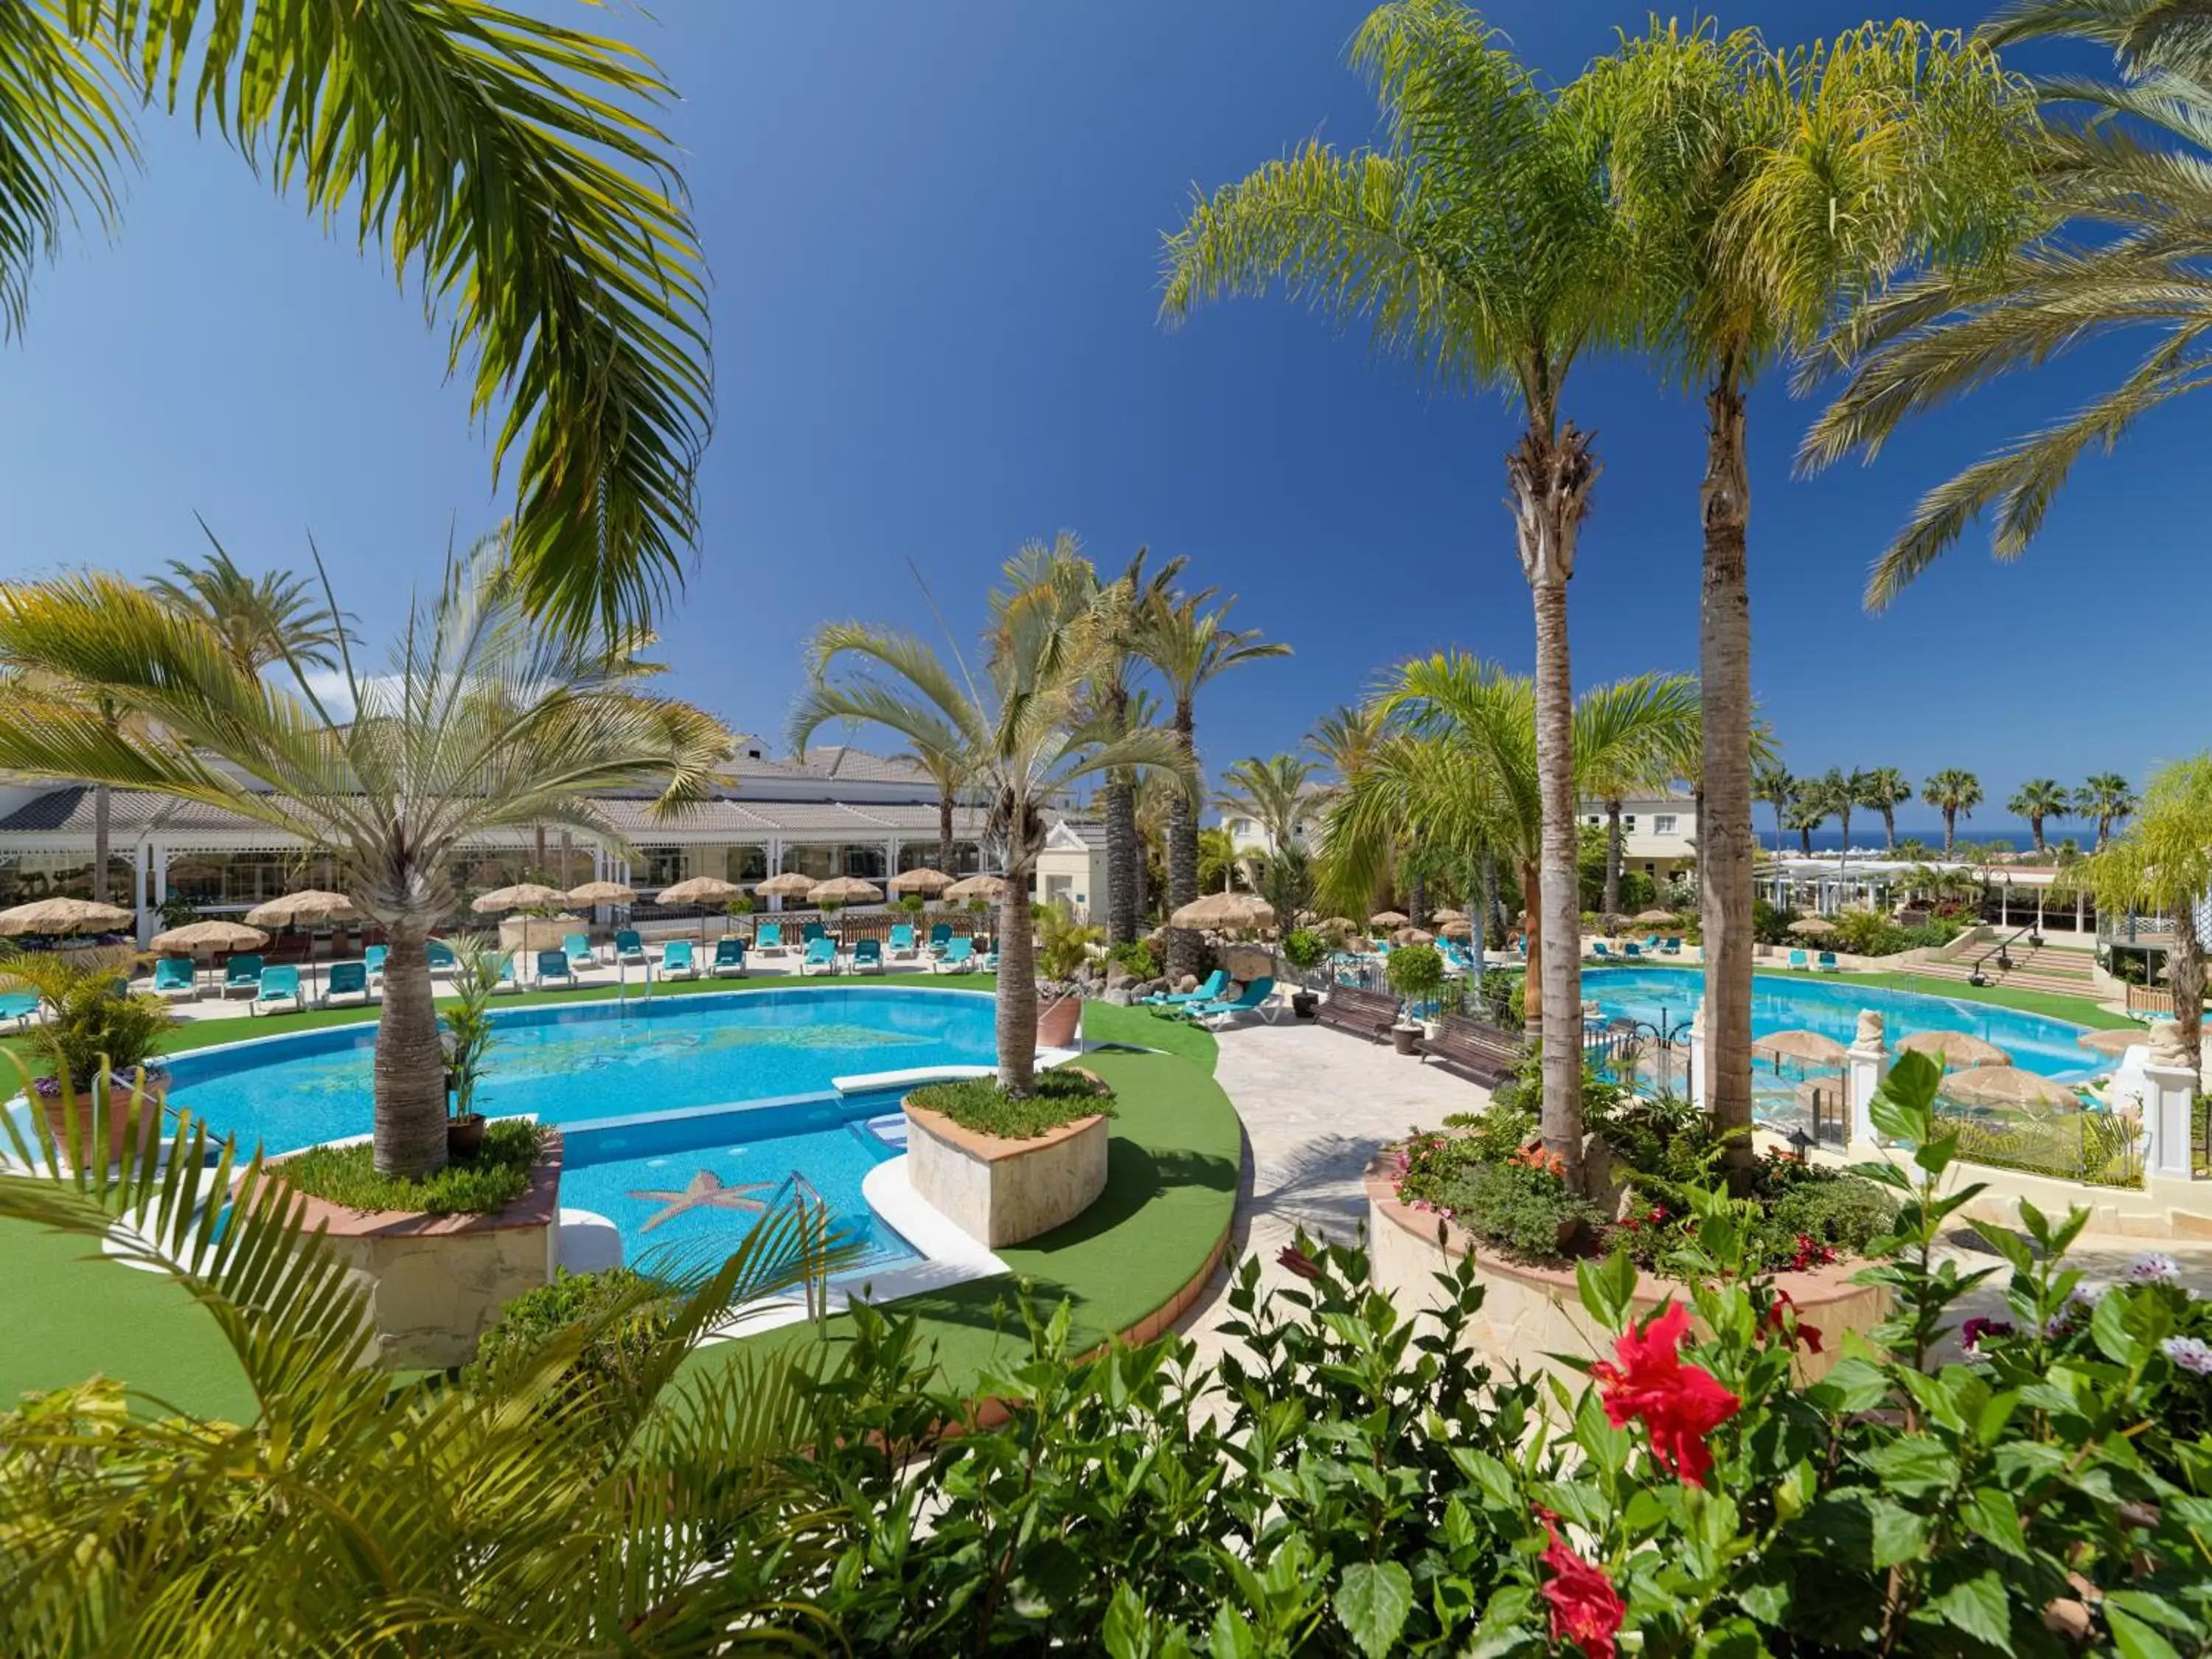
(1870, 1034)
(2166, 1046)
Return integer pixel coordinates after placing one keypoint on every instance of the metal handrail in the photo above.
(2004, 961)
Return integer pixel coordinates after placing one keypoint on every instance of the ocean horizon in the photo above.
(1867, 836)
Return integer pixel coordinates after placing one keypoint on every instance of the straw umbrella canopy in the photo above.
(1447, 915)
(1338, 925)
(304, 909)
(993, 887)
(1410, 935)
(1225, 911)
(701, 889)
(2113, 1043)
(1813, 927)
(2005, 1085)
(927, 883)
(215, 934)
(1962, 1049)
(1389, 919)
(523, 896)
(1807, 1046)
(63, 916)
(1458, 930)
(846, 889)
(1655, 919)
(602, 892)
(790, 885)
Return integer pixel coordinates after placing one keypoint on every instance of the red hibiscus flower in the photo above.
(1783, 1321)
(1679, 1405)
(1586, 1610)
(1296, 1261)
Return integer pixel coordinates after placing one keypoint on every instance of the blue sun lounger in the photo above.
(442, 959)
(1252, 1000)
(1797, 959)
(346, 981)
(769, 937)
(1826, 962)
(1671, 947)
(577, 947)
(959, 957)
(729, 958)
(821, 956)
(280, 984)
(630, 949)
(173, 977)
(242, 974)
(374, 959)
(868, 957)
(676, 960)
(903, 942)
(1216, 983)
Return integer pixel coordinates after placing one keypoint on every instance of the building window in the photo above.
(1628, 822)
(746, 863)
(659, 866)
(1240, 826)
(1594, 820)
(1663, 823)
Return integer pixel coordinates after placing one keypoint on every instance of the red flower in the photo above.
(1296, 1261)
(1783, 1321)
(1679, 1405)
(1586, 1610)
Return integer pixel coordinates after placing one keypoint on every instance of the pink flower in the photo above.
(1679, 1405)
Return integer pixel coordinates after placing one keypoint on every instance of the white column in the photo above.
(2162, 1083)
(1866, 1064)
(1698, 1060)
(140, 859)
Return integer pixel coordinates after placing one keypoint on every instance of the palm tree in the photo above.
(2107, 799)
(1276, 794)
(262, 620)
(1772, 784)
(1460, 771)
(482, 725)
(1480, 245)
(946, 769)
(1115, 698)
(1026, 734)
(1344, 741)
(503, 160)
(2162, 864)
(1955, 794)
(1838, 791)
(1884, 789)
(1191, 646)
(1217, 860)
(1764, 186)
(1808, 811)
(2037, 799)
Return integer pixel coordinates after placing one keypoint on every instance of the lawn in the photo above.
(2080, 1011)
(1171, 1188)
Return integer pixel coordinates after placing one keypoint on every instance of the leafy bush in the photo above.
(1866, 933)
(1523, 1207)
(1059, 1097)
(1503, 995)
(1063, 943)
(1416, 971)
(87, 1021)
(1304, 950)
(347, 1175)
(613, 1319)
(1136, 957)
(1770, 923)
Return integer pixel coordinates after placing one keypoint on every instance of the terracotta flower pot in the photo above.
(1059, 1021)
(1402, 1037)
(127, 1105)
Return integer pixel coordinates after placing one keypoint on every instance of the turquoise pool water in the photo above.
(1831, 1006)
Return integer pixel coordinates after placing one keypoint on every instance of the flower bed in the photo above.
(1003, 1188)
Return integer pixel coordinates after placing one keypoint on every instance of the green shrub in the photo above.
(1137, 958)
(88, 1022)
(1864, 933)
(1304, 950)
(1770, 924)
(347, 1175)
(978, 1103)
(1416, 971)
(615, 1318)
(1063, 943)
(1527, 1210)
(1503, 998)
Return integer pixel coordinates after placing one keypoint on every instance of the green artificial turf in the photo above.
(2079, 1010)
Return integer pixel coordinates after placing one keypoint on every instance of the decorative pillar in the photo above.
(142, 859)
(2165, 1085)
(2081, 911)
(1698, 1060)
(1867, 1064)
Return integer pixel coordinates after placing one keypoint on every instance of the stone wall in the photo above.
(998, 1191)
(1529, 1313)
(436, 1283)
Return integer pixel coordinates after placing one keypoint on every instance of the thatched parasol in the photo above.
(2113, 1043)
(846, 889)
(1410, 935)
(1813, 927)
(213, 935)
(927, 882)
(304, 909)
(523, 896)
(1389, 919)
(602, 892)
(1962, 1049)
(1807, 1046)
(2005, 1085)
(1447, 915)
(1458, 930)
(1655, 919)
(701, 889)
(64, 915)
(993, 887)
(1225, 910)
(790, 885)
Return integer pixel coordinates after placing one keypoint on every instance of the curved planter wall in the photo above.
(1529, 1313)
(998, 1191)
(436, 1283)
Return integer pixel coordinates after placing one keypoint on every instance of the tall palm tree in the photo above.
(1764, 186)
(1276, 792)
(1808, 811)
(1191, 645)
(503, 160)
(2106, 799)
(1955, 794)
(947, 771)
(1884, 788)
(2125, 179)
(1838, 791)
(1343, 742)
(1026, 732)
(2162, 863)
(1116, 696)
(1461, 770)
(482, 725)
(2040, 798)
(261, 620)
(1772, 784)
(1481, 246)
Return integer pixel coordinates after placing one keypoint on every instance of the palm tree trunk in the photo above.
(1487, 886)
(1781, 829)
(2035, 830)
(1727, 860)
(1551, 480)
(1532, 981)
(945, 858)
(2184, 977)
(99, 815)
(1612, 858)
(1017, 996)
(1889, 828)
(1805, 836)
(1183, 944)
(411, 1066)
(1124, 866)
(1950, 826)
(1416, 895)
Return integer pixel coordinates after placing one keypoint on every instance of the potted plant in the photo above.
(1416, 971)
(1305, 950)
(978, 907)
(742, 905)
(468, 1036)
(1063, 950)
(829, 907)
(96, 1038)
(912, 904)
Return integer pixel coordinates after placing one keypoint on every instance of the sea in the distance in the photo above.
(1867, 837)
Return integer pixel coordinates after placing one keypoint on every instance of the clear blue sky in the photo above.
(933, 232)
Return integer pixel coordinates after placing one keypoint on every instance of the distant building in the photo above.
(1658, 830)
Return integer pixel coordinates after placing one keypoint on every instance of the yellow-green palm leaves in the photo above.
(504, 163)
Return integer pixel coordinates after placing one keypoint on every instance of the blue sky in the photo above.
(935, 233)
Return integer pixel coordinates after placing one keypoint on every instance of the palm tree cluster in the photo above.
(1803, 804)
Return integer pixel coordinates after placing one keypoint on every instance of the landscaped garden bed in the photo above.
(1004, 1168)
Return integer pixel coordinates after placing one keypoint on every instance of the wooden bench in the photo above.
(1466, 1047)
(1370, 1014)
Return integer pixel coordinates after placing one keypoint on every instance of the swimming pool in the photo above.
(1669, 997)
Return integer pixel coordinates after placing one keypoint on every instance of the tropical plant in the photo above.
(1025, 728)
(1480, 245)
(1462, 769)
(1191, 646)
(1955, 794)
(470, 1031)
(2037, 799)
(504, 161)
(2124, 184)
(1125, 708)
(1883, 790)
(483, 724)
(2107, 799)
(1415, 971)
(88, 1024)
(1344, 741)
(1808, 811)
(2162, 864)
(1763, 188)
(1063, 943)
(1773, 785)
(1217, 864)
(1287, 882)
(1275, 794)
(262, 620)
(1306, 949)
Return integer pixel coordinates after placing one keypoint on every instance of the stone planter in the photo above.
(999, 1191)
(436, 1283)
(1530, 1312)
(128, 1104)
(1403, 1037)
(1059, 1023)
(1304, 1005)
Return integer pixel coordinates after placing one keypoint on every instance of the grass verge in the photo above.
(2078, 1010)
(980, 1105)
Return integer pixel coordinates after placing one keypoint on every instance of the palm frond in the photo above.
(63, 136)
